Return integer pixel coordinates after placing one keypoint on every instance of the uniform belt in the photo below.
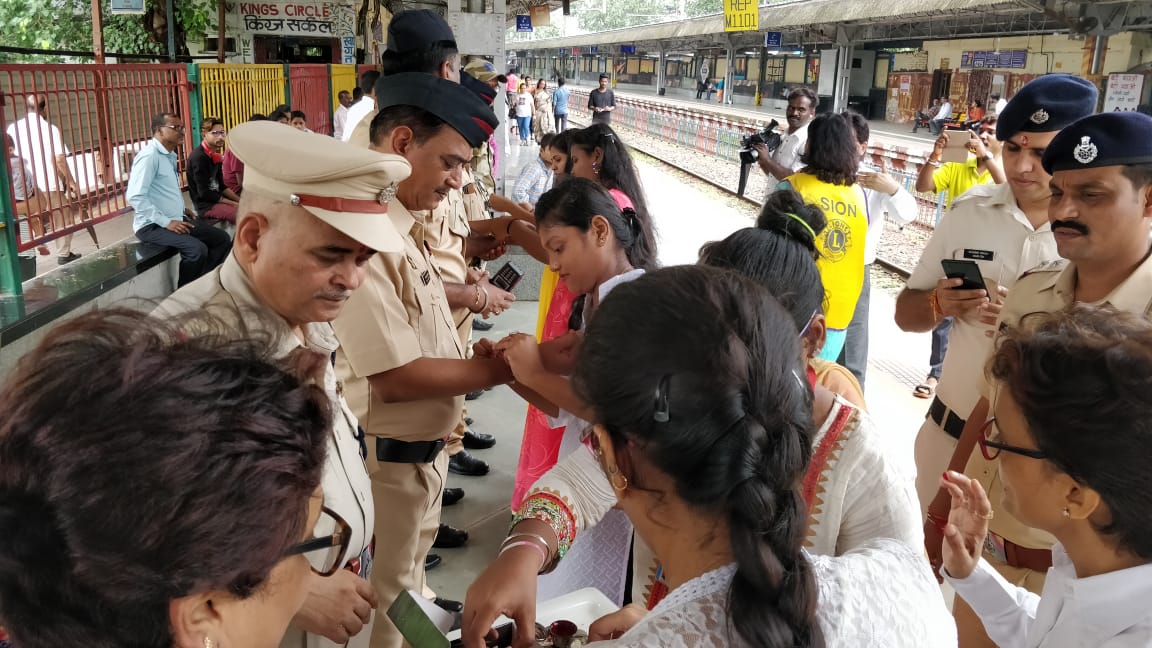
(394, 451)
(947, 419)
(1022, 557)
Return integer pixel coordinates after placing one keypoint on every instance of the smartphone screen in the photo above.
(965, 269)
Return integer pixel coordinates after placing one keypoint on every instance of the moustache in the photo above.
(335, 295)
(1072, 225)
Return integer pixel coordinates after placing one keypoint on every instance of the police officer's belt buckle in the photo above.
(396, 451)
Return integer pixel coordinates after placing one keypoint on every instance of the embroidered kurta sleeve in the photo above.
(1006, 611)
(571, 497)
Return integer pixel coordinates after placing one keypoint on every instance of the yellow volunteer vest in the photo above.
(841, 244)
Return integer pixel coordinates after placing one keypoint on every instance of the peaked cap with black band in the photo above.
(1047, 104)
(456, 105)
(1107, 139)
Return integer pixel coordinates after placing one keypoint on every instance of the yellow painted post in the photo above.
(234, 91)
(343, 78)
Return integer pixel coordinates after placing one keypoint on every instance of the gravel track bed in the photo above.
(899, 246)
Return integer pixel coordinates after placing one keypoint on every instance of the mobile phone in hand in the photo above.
(507, 277)
(967, 270)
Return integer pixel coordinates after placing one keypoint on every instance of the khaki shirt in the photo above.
(398, 315)
(226, 292)
(987, 227)
(475, 197)
(1049, 288)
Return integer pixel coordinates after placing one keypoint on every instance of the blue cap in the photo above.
(1107, 139)
(454, 104)
(1047, 104)
(418, 29)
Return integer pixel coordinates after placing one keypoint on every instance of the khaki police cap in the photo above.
(345, 186)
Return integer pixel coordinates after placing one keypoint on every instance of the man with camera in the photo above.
(785, 160)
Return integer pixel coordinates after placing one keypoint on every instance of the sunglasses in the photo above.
(992, 449)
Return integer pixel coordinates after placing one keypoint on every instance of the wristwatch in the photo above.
(989, 157)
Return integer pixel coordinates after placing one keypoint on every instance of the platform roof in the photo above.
(824, 22)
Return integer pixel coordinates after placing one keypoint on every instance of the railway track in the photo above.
(887, 265)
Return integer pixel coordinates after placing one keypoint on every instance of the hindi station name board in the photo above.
(1012, 59)
(320, 19)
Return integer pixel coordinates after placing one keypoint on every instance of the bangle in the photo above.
(485, 291)
(937, 521)
(937, 312)
(476, 307)
(533, 536)
(508, 228)
(527, 543)
(935, 163)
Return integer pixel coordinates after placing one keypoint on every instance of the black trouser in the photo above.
(202, 249)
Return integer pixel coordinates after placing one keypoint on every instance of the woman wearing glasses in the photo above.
(160, 491)
(1071, 431)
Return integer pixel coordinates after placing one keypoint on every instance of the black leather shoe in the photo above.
(448, 605)
(474, 395)
(480, 325)
(450, 537)
(432, 561)
(463, 463)
(451, 496)
(477, 441)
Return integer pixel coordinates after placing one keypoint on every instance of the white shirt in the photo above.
(881, 595)
(358, 111)
(339, 118)
(788, 155)
(1106, 611)
(945, 112)
(1001, 104)
(986, 226)
(39, 142)
(901, 206)
(524, 105)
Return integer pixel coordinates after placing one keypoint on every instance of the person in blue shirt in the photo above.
(560, 105)
(161, 216)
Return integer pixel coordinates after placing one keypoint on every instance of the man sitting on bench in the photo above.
(212, 199)
(161, 217)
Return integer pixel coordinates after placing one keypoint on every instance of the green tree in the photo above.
(67, 25)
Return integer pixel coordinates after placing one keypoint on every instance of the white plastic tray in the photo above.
(581, 607)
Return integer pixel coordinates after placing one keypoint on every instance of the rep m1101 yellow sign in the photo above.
(741, 15)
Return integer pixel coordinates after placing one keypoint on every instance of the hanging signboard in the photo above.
(773, 40)
(523, 23)
(1123, 92)
(1013, 59)
(126, 7)
(541, 15)
(741, 15)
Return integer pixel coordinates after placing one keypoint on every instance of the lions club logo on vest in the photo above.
(1086, 151)
(837, 239)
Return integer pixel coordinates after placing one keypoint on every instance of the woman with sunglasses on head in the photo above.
(163, 491)
(703, 434)
(1071, 409)
(595, 154)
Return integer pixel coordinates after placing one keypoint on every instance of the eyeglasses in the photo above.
(992, 449)
(218, 133)
(329, 546)
(178, 129)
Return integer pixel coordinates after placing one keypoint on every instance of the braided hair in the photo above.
(730, 424)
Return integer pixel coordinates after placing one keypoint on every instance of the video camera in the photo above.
(748, 154)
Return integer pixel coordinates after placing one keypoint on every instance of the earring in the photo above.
(208, 643)
(602, 241)
(595, 168)
(618, 487)
(1067, 513)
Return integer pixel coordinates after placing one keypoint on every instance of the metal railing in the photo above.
(75, 130)
(718, 135)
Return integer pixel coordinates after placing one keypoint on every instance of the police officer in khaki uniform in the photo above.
(314, 211)
(401, 357)
(1100, 213)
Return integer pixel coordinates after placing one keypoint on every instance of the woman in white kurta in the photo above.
(1071, 406)
(704, 448)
